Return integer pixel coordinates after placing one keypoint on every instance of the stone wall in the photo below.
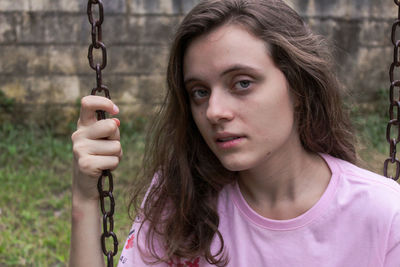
(360, 32)
(43, 49)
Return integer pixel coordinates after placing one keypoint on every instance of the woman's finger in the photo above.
(121, 154)
(93, 165)
(102, 129)
(103, 147)
(91, 103)
(116, 134)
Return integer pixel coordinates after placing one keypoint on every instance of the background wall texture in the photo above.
(43, 50)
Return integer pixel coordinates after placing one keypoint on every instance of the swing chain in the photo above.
(106, 176)
(394, 108)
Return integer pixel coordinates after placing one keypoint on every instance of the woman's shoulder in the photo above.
(369, 189)
(359, 177)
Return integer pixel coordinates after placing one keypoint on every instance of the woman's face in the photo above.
(239, 99)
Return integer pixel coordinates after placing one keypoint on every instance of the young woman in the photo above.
(250, 162)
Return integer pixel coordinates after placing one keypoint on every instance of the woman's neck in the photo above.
(286, 184)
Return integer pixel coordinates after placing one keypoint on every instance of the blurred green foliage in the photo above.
(35, 198)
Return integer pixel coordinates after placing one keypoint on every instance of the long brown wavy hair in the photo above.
(180, 209)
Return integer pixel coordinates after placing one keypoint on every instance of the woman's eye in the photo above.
(241, 85)
(199, 93)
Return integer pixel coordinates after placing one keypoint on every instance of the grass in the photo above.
(35, 179)
(370, 120)
(35, 198)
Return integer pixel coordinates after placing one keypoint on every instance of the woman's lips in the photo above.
(229, 142)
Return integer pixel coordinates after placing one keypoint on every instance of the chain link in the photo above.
(106, 176)
(393, 127)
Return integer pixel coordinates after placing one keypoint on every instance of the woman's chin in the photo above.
(235, 166)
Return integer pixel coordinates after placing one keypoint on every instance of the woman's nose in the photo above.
(219, 107)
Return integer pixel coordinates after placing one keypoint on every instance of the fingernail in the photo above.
(117, 121)
(115, 109)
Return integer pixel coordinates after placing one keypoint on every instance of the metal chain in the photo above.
(97, 44)
(394, 108)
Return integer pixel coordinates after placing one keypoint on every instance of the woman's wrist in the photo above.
(83, 190)
(82, 207)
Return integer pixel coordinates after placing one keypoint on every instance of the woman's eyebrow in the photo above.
(190, 80)
(233, 68)
(238, 67)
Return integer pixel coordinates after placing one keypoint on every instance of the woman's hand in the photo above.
(96, 146)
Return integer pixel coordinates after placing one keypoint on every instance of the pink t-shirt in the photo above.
(356, 223)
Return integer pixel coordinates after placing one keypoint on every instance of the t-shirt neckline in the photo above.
(299, 221)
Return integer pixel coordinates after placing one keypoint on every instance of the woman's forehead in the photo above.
(225, 47)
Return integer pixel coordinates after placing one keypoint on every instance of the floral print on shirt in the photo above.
(185, 263)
